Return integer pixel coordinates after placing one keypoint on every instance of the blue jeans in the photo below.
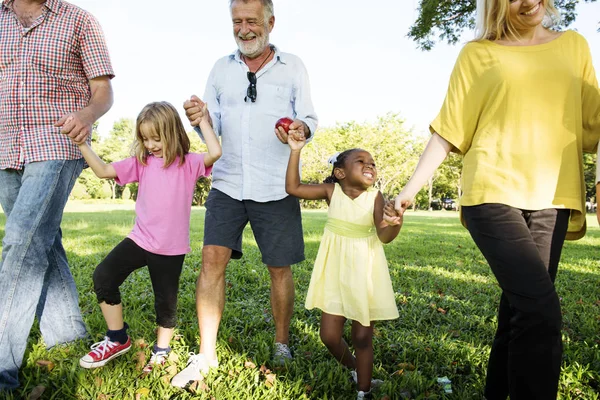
(35, 279)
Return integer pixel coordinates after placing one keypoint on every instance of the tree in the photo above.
(117, 146)
(446, 20)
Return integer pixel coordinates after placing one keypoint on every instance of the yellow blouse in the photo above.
(522, 116)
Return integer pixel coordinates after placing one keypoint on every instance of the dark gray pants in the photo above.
(523, 249)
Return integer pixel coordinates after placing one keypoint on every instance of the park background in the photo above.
(373, 87)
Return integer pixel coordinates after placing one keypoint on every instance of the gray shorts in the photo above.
(277, 227)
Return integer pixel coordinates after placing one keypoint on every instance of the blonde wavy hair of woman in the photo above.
(160, 119)
(493, 19)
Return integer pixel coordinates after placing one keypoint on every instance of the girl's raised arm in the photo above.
(293, 186)
(211, 140)
(100, 168)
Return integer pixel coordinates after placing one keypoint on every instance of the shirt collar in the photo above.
(237, 56)
(52, 5)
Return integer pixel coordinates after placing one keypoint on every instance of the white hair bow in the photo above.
(333, 159)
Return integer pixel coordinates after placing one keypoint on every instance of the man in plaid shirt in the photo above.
(55, 77)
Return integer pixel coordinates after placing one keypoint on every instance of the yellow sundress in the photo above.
(351, 277)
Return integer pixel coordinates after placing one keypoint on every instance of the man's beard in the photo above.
(252, 50)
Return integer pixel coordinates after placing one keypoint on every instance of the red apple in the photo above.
(284, 123)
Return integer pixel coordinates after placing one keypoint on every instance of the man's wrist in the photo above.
(307, 132)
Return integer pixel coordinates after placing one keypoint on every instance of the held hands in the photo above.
(77, 125)
(390, 216)
(295, 141)
(196, 111)
(393, 212)
(297, 128)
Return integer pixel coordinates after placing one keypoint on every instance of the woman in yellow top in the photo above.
(522, 106)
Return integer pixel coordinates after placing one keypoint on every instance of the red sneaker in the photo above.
(104, 351)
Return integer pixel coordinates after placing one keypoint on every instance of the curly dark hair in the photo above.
(339, 163)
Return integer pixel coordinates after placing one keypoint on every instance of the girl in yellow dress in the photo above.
(350, 279)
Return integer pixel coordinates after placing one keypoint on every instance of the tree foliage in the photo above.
(446, 20)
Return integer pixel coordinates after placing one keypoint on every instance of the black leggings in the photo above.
(125, 258)
(523, 249)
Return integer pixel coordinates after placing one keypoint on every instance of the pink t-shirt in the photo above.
(164, 201)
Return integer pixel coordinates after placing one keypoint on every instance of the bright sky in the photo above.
(360, 62)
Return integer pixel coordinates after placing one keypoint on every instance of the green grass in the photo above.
(446, 296)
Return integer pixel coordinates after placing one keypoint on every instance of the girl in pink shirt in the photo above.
(167, 175)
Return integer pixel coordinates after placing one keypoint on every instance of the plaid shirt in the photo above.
(44, 74)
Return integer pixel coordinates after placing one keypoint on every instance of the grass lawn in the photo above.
(445, 293)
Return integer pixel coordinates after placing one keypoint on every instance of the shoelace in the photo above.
(158, 358)
(100, 348)
(194, 360)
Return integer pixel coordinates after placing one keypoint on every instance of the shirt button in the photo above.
(22, 105)
(22, 128)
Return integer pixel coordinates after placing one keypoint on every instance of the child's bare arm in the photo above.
(293, 186)
(387, 228)
(210, 138)
(100, 168)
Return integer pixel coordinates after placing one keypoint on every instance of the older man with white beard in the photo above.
(246, 93)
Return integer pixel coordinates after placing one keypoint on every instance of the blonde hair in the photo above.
(493, 19)
(160, 119)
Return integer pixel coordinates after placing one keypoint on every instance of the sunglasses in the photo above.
(251, 91)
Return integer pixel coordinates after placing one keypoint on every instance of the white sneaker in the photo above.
(281, 354)
(375, 383)
(157, 359)
(360, 395)
(196, 367)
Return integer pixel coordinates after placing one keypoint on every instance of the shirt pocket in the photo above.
(55, 56)
(278, 100)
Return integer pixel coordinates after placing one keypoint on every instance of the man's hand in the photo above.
(296, 142)
(77, 125)
(297, 128)
(196, 110)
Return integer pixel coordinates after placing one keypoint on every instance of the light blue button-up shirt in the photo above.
(254, 161)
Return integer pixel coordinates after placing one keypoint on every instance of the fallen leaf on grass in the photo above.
(173, 357)
(270, 380)
(98, 381)
(171, 370)
(102, 396)
(141, 343)
(230, 340)
(399, 372)
(407, 366)
(178, 337)
(249, 364)
(441, 310)
(142, 392)
(37, 392)
(45, 363)
(308, 389)
(264, 369)
(140, 356)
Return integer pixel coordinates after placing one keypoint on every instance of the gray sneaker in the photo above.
(375, 383)
(196, 367)
(281, 354)
(360, 395)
